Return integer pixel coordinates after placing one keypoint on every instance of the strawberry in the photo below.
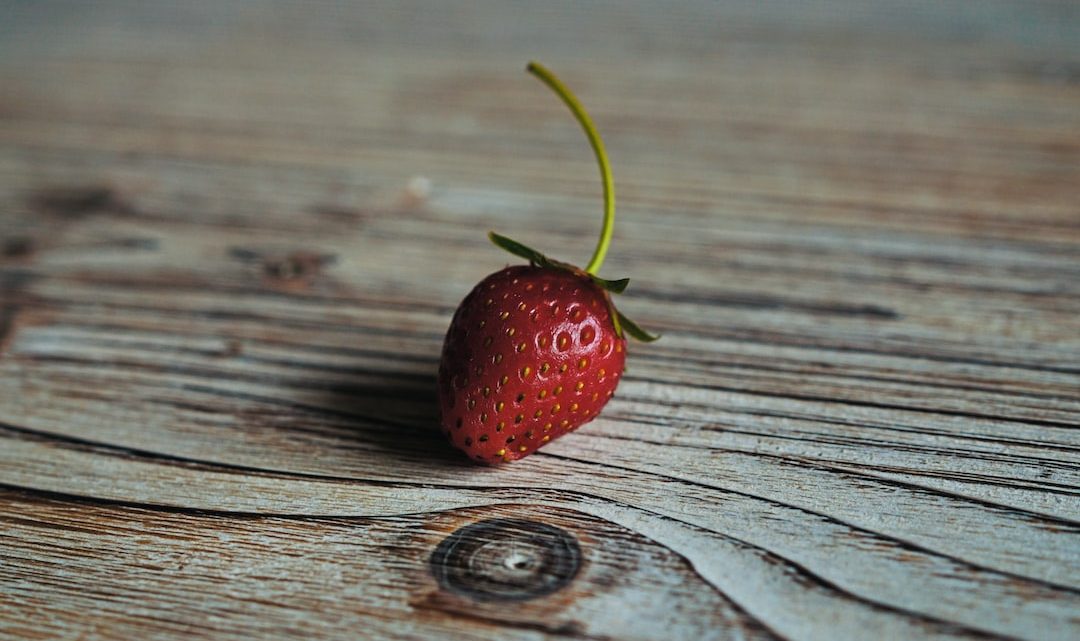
(534, 351)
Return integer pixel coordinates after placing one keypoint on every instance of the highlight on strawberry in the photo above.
(535, 351)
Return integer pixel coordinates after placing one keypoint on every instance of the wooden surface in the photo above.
(233, 235)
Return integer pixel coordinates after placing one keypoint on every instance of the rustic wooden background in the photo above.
(233, 235)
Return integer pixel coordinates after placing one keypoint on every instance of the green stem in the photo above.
(579, 112)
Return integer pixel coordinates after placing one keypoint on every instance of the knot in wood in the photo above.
(506, 560)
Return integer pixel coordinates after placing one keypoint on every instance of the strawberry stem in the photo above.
(582, 116)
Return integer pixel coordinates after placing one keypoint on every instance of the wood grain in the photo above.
(232, 236)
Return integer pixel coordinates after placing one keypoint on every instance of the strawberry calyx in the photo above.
(538, 259)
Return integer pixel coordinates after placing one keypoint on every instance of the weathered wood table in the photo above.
(233, 235)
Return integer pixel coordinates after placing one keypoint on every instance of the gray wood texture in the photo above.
(232, 236)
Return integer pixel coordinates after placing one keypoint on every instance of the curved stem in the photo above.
(579, 112)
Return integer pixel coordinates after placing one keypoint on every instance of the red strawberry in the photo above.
(535, 351)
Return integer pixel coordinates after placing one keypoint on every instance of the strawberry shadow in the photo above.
(395, 414)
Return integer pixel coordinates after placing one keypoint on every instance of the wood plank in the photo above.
(239, 575)
(232, 236)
